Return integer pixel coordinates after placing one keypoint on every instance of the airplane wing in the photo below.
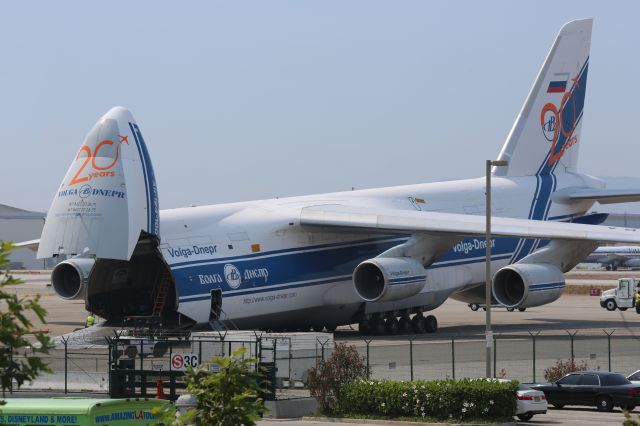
(606, 196)
(31, 244)
(437, 223)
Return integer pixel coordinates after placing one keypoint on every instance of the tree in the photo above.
(229, 396)
(19, 358)
(327, 379)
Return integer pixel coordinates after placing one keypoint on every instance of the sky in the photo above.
(243, 100)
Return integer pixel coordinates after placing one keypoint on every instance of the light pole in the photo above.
(488, 279)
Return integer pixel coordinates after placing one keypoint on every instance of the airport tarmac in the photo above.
(570, 312)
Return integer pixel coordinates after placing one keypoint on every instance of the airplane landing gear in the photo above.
(404, 325)
(431, 324)
(388, 324)
(419, 323)
(392, 324)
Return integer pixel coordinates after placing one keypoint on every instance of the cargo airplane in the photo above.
(378, 257)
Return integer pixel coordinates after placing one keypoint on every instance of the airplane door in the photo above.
(216, 305)
(624, 290)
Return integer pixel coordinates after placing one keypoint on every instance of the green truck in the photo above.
(81, 412)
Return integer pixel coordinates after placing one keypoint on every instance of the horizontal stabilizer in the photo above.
(108, 196)
(390, 220)
(31, 244)
(606, 196)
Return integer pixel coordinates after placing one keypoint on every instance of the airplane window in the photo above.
(589, 380)
(571, 379)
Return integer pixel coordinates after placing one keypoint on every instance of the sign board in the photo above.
(180, 362)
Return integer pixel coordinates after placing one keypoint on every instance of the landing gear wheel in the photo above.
(404, 325)
(608, 267)
(378, 327)
(525, 417)
(392, 325)
(522, 309)
(474, 306)
(419, 325)
(604, 403)
(511, 309)
(431, 324)
(364, 327)
(610, 305)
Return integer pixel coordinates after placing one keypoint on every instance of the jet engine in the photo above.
(69, 278)
(526, 285)
(383, 279)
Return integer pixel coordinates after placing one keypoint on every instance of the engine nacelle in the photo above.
(383, 279)
(69, 278)
(526, 285)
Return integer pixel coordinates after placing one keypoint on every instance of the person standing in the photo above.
(90, 320)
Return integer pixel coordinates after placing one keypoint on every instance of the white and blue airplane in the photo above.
(378, 257)
(613, 257)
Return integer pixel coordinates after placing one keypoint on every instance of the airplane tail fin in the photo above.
(545, 137)
(108, 197)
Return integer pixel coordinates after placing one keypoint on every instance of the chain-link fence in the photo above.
(138, 362)
(524, 357)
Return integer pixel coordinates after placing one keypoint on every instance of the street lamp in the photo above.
(488, 279)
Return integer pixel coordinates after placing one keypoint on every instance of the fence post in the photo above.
(200, 351)
(65, 340)
(411, 357)
(109, 367)
(571, 336)
(495, 354)
(453, 357)
(141, 354)
(609, 345)
(533, 337)
(368, 342)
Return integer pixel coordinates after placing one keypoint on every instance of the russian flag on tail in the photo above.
(559, 83)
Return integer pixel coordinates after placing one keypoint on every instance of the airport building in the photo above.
(22, 225)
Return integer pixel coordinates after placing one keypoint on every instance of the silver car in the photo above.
(530, 402)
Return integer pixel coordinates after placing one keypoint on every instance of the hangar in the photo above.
(22, 225)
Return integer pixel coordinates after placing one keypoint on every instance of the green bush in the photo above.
(561, 368)
(444, 399)
(231, 396)
(328, 377)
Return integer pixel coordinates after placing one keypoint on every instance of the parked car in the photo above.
(530, 402)
(601, 389)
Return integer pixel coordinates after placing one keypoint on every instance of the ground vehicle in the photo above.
(80, 411)
(530, 402)
(634, 377)
(620, 297)
(601, 389)
(475, 306)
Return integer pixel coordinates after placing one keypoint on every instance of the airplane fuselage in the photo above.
(270, 270)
